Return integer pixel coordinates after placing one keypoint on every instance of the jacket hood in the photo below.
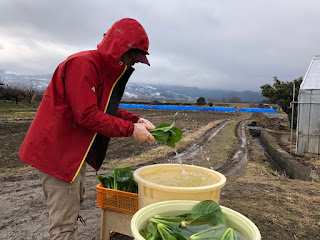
(124, 35)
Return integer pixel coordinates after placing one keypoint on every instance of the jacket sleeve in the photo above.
(129, 116)
(81, 80)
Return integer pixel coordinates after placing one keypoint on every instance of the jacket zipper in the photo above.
(84, 158)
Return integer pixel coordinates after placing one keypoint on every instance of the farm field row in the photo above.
(282, 208)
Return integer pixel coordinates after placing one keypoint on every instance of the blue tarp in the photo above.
(196, 108)
(171, 107)
(219, 109)
(134, 106)
(263, 110)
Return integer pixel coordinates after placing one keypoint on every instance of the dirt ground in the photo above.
(282, 208)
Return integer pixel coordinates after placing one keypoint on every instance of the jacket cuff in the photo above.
(130, 129)
(135, 118)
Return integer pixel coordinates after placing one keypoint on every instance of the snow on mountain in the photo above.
(39, 83)
(139, 91)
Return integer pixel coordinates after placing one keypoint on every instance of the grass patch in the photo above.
(12, 107)
(219, 149)
(23, 113)
(4, 170)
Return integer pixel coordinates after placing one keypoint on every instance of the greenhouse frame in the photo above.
(308, 121)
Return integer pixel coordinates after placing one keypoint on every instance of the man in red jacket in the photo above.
(77, 117)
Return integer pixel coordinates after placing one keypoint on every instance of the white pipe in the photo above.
(292, 112)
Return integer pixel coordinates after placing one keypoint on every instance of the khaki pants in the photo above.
(64, 201)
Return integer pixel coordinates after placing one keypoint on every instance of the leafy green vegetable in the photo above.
(169, 224)
(206, 221)
(152, 232)
(229, 234)
(168, 134)
(208, 211)
(165, 232)
(172, 218)
(189, 230)
(213, 233)
(120, 179)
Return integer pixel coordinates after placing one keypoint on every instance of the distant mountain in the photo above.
(38, 82)
(217, 95)
(150, 92)
(142, 91)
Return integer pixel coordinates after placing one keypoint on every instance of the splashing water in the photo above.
(180, 161)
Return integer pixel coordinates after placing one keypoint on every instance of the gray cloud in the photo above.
(230, 44)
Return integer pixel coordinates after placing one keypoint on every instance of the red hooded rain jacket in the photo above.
(79, 110)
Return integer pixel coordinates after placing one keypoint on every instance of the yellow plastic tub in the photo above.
(175, 207)
(151, 193)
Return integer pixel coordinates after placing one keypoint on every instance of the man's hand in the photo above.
(148, 124)
(141, 133)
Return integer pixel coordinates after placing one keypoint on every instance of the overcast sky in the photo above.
(212, 44)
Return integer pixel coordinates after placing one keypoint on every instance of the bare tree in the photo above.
(235, 100)
(13, 93)
(31, 90)
(1, 85)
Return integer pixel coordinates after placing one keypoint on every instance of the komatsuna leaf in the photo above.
(167, 134)
(178, 218)
(165, 232)
(160, 136)
(166, 127)
(152, 232)
(208, 211)
(189, 230)
(174, 138)
(123, 179)
(213, 233)
(162, 127)
(120, 179)
(229, 234)
(126, 169)
(178, 236)
(171, 225)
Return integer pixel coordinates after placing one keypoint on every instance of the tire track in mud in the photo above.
(191, 152)
(230, 167)
(240, 157)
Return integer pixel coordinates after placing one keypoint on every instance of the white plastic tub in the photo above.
(236, 220)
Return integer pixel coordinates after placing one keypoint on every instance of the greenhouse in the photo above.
(308, 121)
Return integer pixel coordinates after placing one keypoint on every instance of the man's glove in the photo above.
(141, 133)
(149, 125)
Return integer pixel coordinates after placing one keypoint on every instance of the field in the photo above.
(282, 208)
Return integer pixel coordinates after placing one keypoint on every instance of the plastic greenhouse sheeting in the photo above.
(171, 107)
(308, 127)
(262, 110)
(134, 106)
(219, 109)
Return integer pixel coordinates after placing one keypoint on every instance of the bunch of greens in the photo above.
(206, 221)
(120, 179)
(168, 134)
